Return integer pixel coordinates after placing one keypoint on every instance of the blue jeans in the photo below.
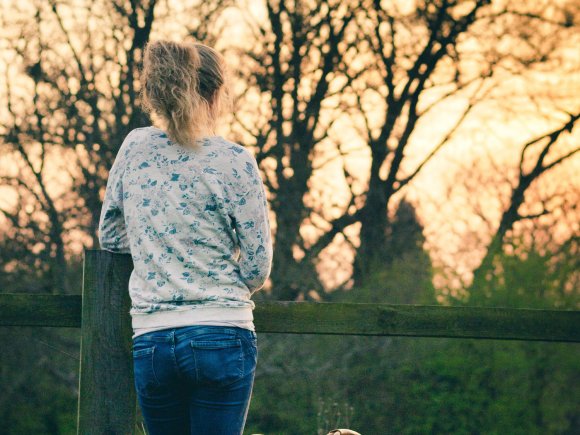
(195, 380)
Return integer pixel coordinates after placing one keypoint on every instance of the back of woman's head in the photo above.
(184, 84)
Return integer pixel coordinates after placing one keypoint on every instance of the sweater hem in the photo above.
(171, 318)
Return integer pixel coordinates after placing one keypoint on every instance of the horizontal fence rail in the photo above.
(341, 318)
(18, 309)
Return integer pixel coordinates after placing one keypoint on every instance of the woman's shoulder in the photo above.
(141, 130)
(135, 136)
(228, 146)
(233, 152)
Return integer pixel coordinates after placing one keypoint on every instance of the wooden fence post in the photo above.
(106, 390)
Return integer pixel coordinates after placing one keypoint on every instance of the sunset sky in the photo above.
(492, 135)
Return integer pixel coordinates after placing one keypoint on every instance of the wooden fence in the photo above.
(107, 401)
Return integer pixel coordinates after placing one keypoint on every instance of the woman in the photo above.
(191, 209)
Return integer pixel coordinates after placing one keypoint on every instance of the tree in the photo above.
(499, 207)
(292, 70)
(424, 59)
(407, 277)
(83, 103)
(525, 178)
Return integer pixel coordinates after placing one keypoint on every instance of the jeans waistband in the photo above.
(183, 332)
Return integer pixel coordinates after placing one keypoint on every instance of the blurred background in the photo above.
(413, 152)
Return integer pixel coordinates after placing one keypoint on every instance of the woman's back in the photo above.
(196, 224)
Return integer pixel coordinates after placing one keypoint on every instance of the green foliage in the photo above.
(532, 277)
(405, 280)
(403, 385)
(404, 275)
(40, 406)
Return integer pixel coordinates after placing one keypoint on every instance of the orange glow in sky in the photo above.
(454, 219)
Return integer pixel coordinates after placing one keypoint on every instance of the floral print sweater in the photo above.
(195, 223)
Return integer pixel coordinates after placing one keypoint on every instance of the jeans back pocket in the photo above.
(218, 362)
(144, 372)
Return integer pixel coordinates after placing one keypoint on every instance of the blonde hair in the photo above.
(186, 85)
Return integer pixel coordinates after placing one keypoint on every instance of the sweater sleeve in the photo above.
(251, 222)
(112, 230)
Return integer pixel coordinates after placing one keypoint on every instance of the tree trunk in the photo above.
(374, 224)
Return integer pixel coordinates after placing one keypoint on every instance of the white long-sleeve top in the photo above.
(196, 225)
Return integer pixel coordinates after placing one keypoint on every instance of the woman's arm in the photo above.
(252, 225)
(112, 230)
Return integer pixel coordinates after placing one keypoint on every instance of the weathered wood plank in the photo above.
(418, 320)
(106, 391)
(40, 310)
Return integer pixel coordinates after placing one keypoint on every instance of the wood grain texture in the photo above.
(418, 320)
(106, 390)
(345, 319)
